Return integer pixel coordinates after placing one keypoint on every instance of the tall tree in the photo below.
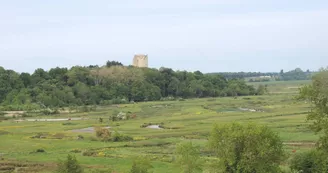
(247, 148)
(317, 95)
(188, 157)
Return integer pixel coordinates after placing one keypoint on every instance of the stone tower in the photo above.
(140, 60)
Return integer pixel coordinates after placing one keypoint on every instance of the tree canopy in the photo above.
(317, 95)
(91, 85)
(247, 148)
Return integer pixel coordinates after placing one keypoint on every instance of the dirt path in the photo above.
(58, 119)
(303, 144)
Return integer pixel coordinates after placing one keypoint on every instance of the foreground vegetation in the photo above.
(245, 134)
(186, 127)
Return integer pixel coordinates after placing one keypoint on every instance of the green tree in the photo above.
(247, 148)
(261, 90)
(113, 63)
(26, 79)
(188, 157)
(141, 165)
(70, 165)
(317, 95)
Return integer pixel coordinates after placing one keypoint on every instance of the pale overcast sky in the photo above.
(205, 35)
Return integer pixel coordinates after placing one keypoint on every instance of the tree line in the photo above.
(110, 84)
(296, 74)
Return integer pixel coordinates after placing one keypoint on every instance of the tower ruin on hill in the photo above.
(140, 60)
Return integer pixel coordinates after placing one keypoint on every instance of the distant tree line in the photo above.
(242, 75)
(111, 83)
(296, 74)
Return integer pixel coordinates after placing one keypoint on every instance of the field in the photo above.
(183, 120)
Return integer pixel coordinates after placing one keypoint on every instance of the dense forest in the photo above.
(296, 74)
(110, 84)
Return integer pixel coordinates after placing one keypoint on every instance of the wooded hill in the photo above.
(110, 84)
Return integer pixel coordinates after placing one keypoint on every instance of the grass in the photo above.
(184, 120)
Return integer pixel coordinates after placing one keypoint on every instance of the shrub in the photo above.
(2, 132)
(50, 111)
(76, 151)
(144, 125)
(68, 124)
(40, 135)
(141, 165)
(24, 115)
(89, 153)
(117, 137)
(313, 161)
(84, 108)
(103, 133)
(70, 165)
(59, 136)
(40, 151)
(188, 157)
(80, 137)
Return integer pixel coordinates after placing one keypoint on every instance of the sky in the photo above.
(205, 35)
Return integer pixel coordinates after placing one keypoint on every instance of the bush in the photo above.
(24, 115)
(89, 153)
(58, 136)
(141, 165)
(68, 124)
(40, 151)
(117, 137)
(80, 137)
(70, 165)
(2, 132)
(50, 111)
(84, 109)
(188, 157)
(310, 162)
(103, 133)
(75, 151)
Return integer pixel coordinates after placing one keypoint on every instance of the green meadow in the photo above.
(181, 120)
